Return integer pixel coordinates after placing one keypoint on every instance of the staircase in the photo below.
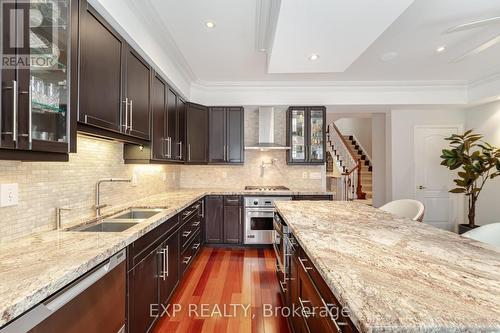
(366, 166)
(348, 167)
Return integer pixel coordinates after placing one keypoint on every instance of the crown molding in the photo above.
(330, 92)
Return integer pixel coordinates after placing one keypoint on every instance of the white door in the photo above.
(432, 180)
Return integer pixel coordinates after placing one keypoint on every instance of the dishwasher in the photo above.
(95, 302)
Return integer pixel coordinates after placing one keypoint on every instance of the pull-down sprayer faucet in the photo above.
(98, 205)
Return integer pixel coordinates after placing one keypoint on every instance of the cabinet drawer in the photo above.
(319, 294)
(188, 230)
(187, 213)
(138, 249)
(313, 197)
(232, 200)
(191, 250)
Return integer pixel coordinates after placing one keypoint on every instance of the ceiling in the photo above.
(350, 37)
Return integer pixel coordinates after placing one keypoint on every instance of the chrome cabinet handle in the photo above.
(186, 233)
(14, 109)
(283, 287)
(304, 313)
(131, 114)
(202, 208)
(196, 246)
(126, 114)
(301, 260)
(189, 152)
(421, 187)
(165, 260)
(162, 270)
(337, 324)
(186, 260)
(180, 150)
(195, 224)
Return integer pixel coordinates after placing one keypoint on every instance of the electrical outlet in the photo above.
(134, 180)
(304, 175)
(9, 195)
(314, 175)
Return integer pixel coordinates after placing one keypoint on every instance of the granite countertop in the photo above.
(34, 267)
(397, 275)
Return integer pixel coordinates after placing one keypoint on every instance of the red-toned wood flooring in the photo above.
(221, 277)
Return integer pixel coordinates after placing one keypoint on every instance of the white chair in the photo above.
(412, 209)
(488, 233)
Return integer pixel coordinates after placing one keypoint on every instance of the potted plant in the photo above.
(478, 160)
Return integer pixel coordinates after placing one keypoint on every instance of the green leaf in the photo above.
(458, 190)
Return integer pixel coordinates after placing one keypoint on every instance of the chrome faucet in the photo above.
(98, 205)
(58, 216)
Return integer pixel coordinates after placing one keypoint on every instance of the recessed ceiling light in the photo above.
(314, 57)
(389, 56)
(210, 24)
(441, 49)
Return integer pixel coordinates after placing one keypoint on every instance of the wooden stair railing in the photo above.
(349, 174)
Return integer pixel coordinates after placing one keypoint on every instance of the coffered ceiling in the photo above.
(355, 40)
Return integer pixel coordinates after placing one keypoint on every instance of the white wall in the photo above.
(403, 123)
(361, 128)
(485, 119)
(378, 154)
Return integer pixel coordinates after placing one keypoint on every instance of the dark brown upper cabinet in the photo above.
(137, 92)
(114, 83)
(168, 128)
(226, 135)
(306, 134)
(196, 134)
(39, 85)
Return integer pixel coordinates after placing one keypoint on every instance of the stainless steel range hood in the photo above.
(266, 131)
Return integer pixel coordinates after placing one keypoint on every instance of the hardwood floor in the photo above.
(223, 277)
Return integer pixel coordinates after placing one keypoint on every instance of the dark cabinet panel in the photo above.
(232, 224)
(226, 135)
(197, 134)
(217, 132)
(169, 275)
(313, 197)
(235, 139)
(101, 63)
(172, 151)
(181, 130)
(306, 135)
(137, 96)
(143, 290)
(159, 100)
(214, 219)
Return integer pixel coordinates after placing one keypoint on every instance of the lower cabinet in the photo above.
(169, 273)
(223, 220)
(143, 290)
(307, 290)
(232, 224)
(214, 219)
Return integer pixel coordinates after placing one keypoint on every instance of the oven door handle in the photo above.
(258, 210)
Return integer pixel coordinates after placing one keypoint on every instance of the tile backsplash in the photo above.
(44, 186)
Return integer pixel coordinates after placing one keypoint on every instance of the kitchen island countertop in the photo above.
(397, 275)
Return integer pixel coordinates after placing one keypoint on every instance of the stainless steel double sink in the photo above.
(119, 222)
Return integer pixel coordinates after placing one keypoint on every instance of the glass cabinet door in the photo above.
(298, 135)
(49, 41)
(316, 136)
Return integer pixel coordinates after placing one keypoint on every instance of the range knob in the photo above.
(255, 202)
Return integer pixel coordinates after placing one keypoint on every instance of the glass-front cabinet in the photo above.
(306, 135)
(38, 54)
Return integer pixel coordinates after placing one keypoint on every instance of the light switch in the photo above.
(9, 195)
(304, 175)
(134, 180)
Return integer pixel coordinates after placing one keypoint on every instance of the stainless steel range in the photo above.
(259, 215)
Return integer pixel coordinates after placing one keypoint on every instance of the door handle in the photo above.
(180, 150)
(189, 152)
(126, 113)
(131, 114)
